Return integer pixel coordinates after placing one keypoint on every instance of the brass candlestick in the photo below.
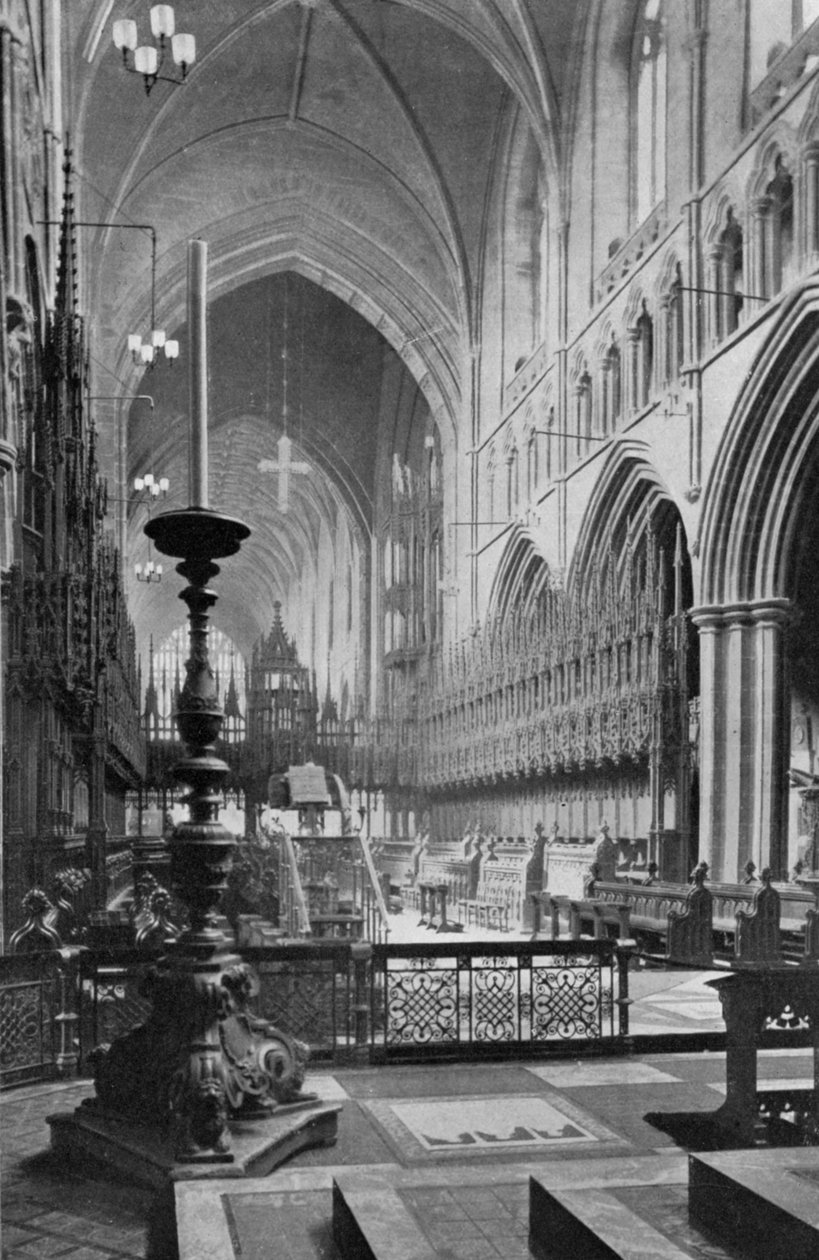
(201, 1056)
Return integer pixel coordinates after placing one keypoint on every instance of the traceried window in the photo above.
(641, 360)
(526, 253)
(774, 26)
(551, 448)
(532, 465)
(674, 339)
(583, 410)
(512, 480)
(491, 469)
(730, 278)
(166, 675)
(780, 213)
(649, 109)
(611, 389)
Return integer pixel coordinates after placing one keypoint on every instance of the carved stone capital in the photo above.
(8, 457)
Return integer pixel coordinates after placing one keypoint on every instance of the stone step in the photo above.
(371, 1223)
(764, 1201)
(146, 1156)
(596, 1224)
(391, 1212)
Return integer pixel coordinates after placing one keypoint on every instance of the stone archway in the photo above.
(522, 575)
(633, 540)
(759, 518)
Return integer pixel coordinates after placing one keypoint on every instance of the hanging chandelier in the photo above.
(153, 486)
(148, 59)
(148, 488)
(149, 572)
(147, 352)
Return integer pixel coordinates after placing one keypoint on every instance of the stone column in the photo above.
(727, 298)
(743, 736)
(632, 368)
(602, 417)
(709, 624)
(759, 269)
(772, 750)
(664, 341)
(811, 202)
(578, 392)
(713, 305)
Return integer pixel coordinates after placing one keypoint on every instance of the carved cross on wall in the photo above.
(284, 466)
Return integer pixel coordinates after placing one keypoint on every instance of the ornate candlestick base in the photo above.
(201, 1057)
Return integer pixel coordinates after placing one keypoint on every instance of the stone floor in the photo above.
(463, 1134)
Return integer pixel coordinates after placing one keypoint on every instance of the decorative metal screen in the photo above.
(437, 1000)
(29, 992)
(111, 1001)
(303, 1000)
(305, 991)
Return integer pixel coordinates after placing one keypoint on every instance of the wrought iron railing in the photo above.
(481, 999)
(29, 1006)
(308, 990)
(349, 1001)
(111, 996)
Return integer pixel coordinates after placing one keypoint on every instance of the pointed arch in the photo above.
(766, 465)
(629, 499)
(522, 575)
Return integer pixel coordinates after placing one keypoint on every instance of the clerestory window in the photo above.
(649, 109)
(774, 26)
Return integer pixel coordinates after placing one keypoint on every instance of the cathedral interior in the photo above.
(506, 343)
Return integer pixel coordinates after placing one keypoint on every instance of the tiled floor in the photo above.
(48, 1210)
(484, 1222)
(472, 1120)
(389, 1115)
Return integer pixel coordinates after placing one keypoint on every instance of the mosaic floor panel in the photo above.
(465, 1127)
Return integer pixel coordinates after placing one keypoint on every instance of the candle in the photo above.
(198, 379)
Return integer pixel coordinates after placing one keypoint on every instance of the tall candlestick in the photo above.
(198, 379)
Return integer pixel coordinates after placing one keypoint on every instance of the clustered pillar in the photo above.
(744, 736)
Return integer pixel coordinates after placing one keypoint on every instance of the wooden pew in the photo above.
(580, 913)
(685, 921)
(758, 938)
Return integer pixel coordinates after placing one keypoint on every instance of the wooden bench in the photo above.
(599, 916)
(685, 922)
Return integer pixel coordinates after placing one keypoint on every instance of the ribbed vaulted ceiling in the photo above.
(336, 155)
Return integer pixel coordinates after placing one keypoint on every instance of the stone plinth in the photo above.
(128, 1151)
